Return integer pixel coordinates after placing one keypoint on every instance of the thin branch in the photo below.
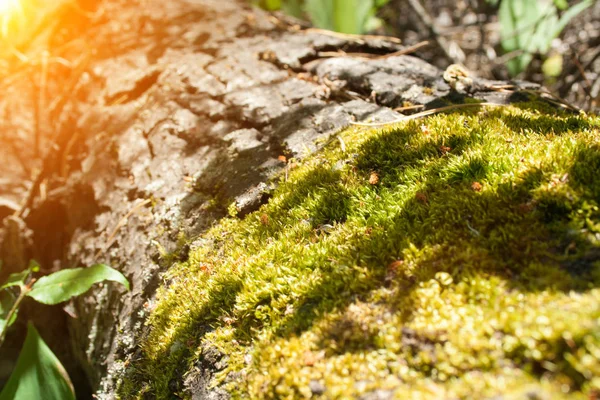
(368, 56)
(428, 112)
(40, 103)
(24, 289)
(566, 88)
(357, 38)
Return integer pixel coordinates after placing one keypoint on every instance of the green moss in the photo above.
(470, 269)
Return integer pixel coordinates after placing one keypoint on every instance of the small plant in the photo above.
(38, 373)
(527, 27)
(346, 16)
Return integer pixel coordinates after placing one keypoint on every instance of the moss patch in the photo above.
(451, 257)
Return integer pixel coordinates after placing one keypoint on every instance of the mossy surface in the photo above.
(451, 257)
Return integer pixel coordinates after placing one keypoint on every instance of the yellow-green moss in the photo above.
(451, 257)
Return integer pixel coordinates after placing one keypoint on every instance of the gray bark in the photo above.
(180, 103)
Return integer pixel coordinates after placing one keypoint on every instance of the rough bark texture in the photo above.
(184, 107)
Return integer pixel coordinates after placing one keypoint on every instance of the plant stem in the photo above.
(24, 290)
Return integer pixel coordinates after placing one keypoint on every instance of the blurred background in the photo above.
(552, 42)
(45, 47)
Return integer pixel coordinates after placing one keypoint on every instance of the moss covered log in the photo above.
(455, 256)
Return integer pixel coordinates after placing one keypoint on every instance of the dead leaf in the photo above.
(445, 149)
(309, 358)
(392, 271)
(421, 197)
(395, 265)
(374, 178)
(264, 219)
(206, 268)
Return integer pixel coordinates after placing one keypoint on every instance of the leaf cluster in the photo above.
(38, 373)
(346, 16)
(528, 27)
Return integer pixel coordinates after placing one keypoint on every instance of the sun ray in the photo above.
(8, 6)
(12, 18)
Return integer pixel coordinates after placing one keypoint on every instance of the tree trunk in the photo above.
(170, 112)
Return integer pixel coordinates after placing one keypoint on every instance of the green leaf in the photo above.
(62, 285)
(529, 26)
(293, 8)
(372, 23)
(16, 279)
(553, 66)
(38, 375)
(4, 324)
(346, 16)
(320, 13)
(568, 15)
(33, 266)
(350, 16)
(272, 5)
(524, 26)
(561, 4)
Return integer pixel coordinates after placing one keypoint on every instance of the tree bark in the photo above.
(171, 111)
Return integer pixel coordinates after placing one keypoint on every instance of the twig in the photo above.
(565, 89)
(57, 108)
(368, 56)
(428, 112)
(407, 50)
(30, 62)
(357, 38)
(78, 69)
(28, 202)
(406, 108)
(503, 59)
(24, 289)
(502, 88)
(40, 102)
(554, 99)
(582, 73)
(64, 161)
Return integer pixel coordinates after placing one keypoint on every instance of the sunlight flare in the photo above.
(7, 6)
